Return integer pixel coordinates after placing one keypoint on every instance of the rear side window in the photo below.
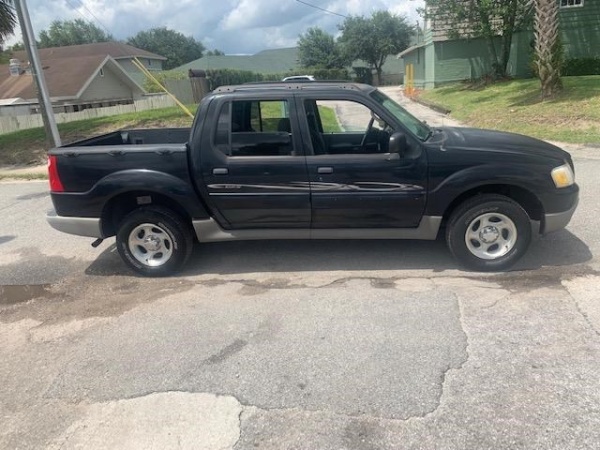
(254, 128)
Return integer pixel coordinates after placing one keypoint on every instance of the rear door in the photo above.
(355, 182)
(254, 168)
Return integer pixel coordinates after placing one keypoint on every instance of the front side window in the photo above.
(421, 130)
(344, 116)
(254, 128)
(345, 127)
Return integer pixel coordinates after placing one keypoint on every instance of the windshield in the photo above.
(404, 117)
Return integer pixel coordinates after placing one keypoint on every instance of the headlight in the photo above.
(563, 176)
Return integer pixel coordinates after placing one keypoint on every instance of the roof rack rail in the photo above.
(287, 85)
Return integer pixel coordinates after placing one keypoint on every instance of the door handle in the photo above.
(325, 170)
(221, 171)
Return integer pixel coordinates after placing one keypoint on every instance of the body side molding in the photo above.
(209, 231)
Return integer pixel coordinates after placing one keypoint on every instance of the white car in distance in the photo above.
(300, 78)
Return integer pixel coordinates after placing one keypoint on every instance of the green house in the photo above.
(437, 59)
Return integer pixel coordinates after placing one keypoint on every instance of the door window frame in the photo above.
(297, 147)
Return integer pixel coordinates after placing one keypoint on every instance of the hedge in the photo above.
(224, 77)
(580, 66)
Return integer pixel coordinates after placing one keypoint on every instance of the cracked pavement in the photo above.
(434, 361)
(298, 345)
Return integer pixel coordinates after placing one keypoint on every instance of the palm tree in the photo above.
(8, 19)
(548, 51)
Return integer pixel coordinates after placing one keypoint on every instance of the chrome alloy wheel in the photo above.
(491, 236)
(150, 244)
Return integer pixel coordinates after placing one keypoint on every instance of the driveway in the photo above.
(298, 345)
(428, 115)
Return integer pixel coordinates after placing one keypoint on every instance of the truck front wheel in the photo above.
(489, 232)
(154, 241)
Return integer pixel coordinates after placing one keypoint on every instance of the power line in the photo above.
(76, 9)
(322, 9)
(82, 4)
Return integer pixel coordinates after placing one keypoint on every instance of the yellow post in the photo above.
(409, 86)
(146, 72)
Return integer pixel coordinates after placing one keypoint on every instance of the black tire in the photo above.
(502, 242)
(161, 245)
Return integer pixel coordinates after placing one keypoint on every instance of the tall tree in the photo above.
(72, 32)
(16, 47)
(374, 39)
(215, 52)
(8, 19)
(317, 48)
(179, 49)
(548, 51)
(486, 19)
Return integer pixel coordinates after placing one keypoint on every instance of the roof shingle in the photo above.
(117, 50)
(65, 77)
(66, 69)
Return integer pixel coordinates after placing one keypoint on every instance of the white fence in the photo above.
(16, 123)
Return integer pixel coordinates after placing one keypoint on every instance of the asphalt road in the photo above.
(298, 345)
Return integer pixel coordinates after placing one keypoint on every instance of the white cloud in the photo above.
(234, 26)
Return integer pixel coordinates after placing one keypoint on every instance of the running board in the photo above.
(210, 231)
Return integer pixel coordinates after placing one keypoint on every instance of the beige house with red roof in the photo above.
(78, 77)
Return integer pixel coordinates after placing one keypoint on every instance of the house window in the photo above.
(149, 62)
(101, 72)
(570, 3)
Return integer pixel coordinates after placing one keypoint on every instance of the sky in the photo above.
(232, 26)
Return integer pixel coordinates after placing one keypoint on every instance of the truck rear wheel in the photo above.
(154, 241)
(489, 232)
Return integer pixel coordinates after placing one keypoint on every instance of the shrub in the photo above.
(581, 66)
(225, 77)
(150, 86)
(363, 75)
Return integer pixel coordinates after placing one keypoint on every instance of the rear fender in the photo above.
(180, 191)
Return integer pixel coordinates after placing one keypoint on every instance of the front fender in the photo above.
(535, 180)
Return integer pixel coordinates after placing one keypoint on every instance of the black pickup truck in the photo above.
(310, 161)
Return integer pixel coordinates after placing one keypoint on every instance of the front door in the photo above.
(256, 174)
(355, 182)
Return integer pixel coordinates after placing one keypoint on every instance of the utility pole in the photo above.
(38, 74)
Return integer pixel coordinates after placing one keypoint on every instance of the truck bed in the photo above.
(84, 164)
(136, 137)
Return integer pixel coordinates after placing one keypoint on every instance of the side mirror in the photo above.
(398, 143)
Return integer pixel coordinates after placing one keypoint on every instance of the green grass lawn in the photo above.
(329, 120)
(574, 116)
(272, 111)
(29, 146)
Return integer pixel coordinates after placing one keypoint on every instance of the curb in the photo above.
(431, 105)
(24, 172)
(8, 177)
